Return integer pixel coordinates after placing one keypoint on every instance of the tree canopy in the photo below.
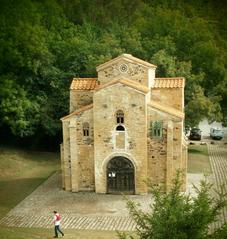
(43, 44)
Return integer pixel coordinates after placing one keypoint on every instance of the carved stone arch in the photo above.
(116, 154)
(120, 174)
(122, 179)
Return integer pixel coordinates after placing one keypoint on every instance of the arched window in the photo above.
(85, 129)
(120, 128)
(120, 137)
(120, 117)
(156, 129)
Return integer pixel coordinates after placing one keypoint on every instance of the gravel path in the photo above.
(218, 160)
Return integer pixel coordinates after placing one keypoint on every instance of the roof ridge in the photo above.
(80, 110)
(125, 81)
(168, 109)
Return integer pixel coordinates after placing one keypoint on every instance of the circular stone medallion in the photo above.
(123, 68)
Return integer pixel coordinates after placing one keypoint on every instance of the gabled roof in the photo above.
(127, 57)
(172, 82)
(83, 84)
(167, 109)
(126, 82)
(82, 109)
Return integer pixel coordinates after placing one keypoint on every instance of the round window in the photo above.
(123, 68)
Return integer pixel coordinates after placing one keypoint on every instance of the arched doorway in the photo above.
(120, 176)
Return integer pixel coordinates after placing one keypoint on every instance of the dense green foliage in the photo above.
(44, 43)
(175, 215)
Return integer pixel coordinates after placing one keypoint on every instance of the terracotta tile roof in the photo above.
(173, 82)
(84, 84)
(167, 109)
(82, 109)
(127, 82)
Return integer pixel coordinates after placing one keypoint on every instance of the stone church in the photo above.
(125, 128)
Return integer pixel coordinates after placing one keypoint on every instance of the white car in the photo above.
(216, 133)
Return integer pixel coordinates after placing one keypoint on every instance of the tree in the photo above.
(43, 44)
(19, 112)
(175, 215)
(200, 107)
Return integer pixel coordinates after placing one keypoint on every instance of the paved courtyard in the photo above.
(218, 160)
(96, 211)
(79, 210)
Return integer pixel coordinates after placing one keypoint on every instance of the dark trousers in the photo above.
(56, 230)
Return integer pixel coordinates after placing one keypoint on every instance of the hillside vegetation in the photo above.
(43, 44)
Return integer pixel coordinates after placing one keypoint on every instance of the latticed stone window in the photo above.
(85, 129)
(156, 129)
(120, 117)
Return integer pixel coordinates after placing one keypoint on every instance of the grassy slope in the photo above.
(21, 172)
(198, 160)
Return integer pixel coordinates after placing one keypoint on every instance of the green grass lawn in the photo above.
(40, 233)
(21, 172)
(198, 159)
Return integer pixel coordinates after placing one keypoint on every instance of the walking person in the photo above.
(57, 221)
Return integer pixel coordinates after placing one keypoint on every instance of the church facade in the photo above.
(125, 128)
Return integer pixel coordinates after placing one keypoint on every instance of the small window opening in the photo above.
(120, 117)
(120, 128)
(85, 129)
(156, 129)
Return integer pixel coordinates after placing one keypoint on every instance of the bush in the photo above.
(175, 215)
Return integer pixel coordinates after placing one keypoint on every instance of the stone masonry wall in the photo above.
(106, 102)
(179, 152)
(157, 152)
(62, 166)
(132, 71)
(165, 158)
(79, 99)
(85, 145)
(177, 145)
(173, 97)
(66, 156)
(184, 164)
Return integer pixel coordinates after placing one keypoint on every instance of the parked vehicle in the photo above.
(195, 134)
(187, 130)
(216, 133)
